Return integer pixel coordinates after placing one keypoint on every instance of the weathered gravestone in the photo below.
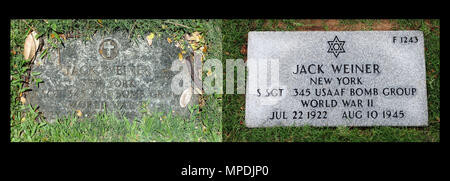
(112, 73)
(344, 78)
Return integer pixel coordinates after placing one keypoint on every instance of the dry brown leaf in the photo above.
(169, 40)
(30, 46)
(244, 50)
(186, 97)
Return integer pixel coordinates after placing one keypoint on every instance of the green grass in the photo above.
(27, 125)
(105, 127)
(234, 129)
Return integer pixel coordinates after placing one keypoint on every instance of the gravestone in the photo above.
(111, 73)
(336, 78)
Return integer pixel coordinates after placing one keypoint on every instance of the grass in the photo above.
(105, 127)
(234, 129)
(204, 123)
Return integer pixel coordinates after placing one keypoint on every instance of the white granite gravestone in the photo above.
(336, 78)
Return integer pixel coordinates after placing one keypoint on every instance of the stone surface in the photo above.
(111, 72)
(310, 92)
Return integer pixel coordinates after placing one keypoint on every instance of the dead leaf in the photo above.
(244, 50)
(30, 46)
(180, 57)
(200, 71)
(79, 113)
(23, 100)
(209, 73)
(169, 40)
(187, 37)
(62, 36)
(150, 38)
(195, 36)
(198, 91)
(186, 97)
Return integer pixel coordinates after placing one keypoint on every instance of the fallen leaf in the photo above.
(209, 73)
(13, 52)
(180, 57)
(187, 37)
(62, 36)
(30, 46)
(244, 50)
(227, 53)
(185, 97)
(23, 100)
(195, 36)
(198, 90)
(169, 40)
(79, 113)
(150, 38)
(200, 72)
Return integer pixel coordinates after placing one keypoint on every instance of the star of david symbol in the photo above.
(336, 46)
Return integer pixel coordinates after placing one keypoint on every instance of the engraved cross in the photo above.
(108, 48)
